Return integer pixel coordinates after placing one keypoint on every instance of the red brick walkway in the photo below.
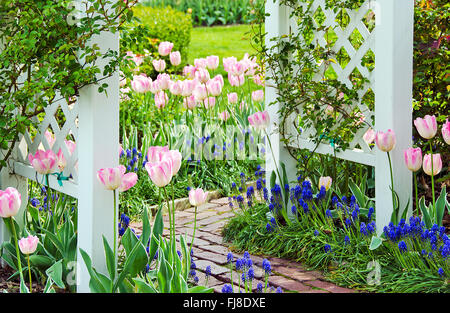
(209, 249)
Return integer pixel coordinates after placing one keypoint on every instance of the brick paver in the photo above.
(210, 250)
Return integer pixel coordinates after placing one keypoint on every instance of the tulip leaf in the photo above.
(361, 198)
(144, 287)
(425, 215)
(375, 242)
(41, 261)
(440, 206)
(200, 289)
(55, 273)
(94, 283)
(110, 261)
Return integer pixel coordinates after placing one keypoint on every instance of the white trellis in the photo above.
(391, 41)
(92, 121)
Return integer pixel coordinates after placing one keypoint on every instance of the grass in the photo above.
(223, 41)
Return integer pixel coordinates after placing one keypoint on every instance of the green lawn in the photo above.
(223, 41)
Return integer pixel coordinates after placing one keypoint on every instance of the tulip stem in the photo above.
(29, 272)
(171, 231)
(195, 226)
(19, 262)
(432, 180)
(392, 187)
(115, 229)
(417, 196)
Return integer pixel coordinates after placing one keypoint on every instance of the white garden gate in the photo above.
(391, 41)
(93, 120)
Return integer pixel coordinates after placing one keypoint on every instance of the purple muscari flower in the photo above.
(328, 213)
(239, 264)
(259, 287)
(243, 277)
(347, 240)
(402, 246)
(196, 279)
(327, 248)
(208, 270)
(34, 202)
(268, 227)
(316, 233)
(227, 289)
(229, 257)
(266, 266)
(179, 254)
(192, 273)
(369, 215)
(250, 273)
(279, 290)
(441, 272)
(294, 209)
(363, 229)
(246, 255)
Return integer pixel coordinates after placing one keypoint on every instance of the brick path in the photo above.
(210, 250)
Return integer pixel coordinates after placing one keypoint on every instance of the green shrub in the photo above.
(166, 24)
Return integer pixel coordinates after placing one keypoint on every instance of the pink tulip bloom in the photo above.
(257, 79)
(138, 59)
(160, 173)
(202, 75)
(325, 182)
(174, 156)
(189, 102)
(141, 83)
(155, 87)
(259, 120)
(212, 62)
(44, 162)
(71, 145)
(238, 68)
(437, 164)
(161, 99)
(159, 65)
(176, 88)
(189, 71)
(155, 153)
(219, 78)
(128, 181)
(228, 63)
(111, 177)
(10, 201)
(197, 197)
(224, 116)
(165, 48)
(200, 93)
(385, 141)
(28, 245)
(163, 81)
(232, 98)
(413, 159)
(427, 126)
(214, 87)
(236, 81)
(446, 132)
(200, 63)
(258, 95)
(188, 87)
(209, 102)
(175, 58)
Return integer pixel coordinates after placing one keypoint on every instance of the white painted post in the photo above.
(98, 147)
(393, 101)
(276, 25)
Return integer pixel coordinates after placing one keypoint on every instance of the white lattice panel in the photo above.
(360, 26)
(60, 120)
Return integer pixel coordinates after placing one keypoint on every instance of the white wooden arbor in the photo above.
(391, 41)
(93, 120)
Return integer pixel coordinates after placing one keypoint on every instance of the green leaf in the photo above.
(425, 215)
(135, 262)
(440, 206)
(360, 197)
(41, 261)
(375, 243)
(110, 261)
(146, 227)
(143, 287)
(200, 289)
(23, 287)
(55, 273)
(94, 283)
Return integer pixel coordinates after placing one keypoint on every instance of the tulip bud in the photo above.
(259, 120)
(44, 162)
(28, 245)
(437, 164)
(159, 65)
(446, 132)
(175, 58)
(385, 141)
(325, 182)
(413, 159)
(258, 95)
(165, 48)
(212, 62)
(427, 126)
(197, 197)
(10, 201)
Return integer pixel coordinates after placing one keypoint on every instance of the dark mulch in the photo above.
(13, 285)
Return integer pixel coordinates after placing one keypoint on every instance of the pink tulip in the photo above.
(111, 177)
(175, 58)
(141, 83)
(189, 102)
(232, 98)
(10, 201)
(259, 120)
(427, 126)
(219, 78)
(44, 162)
(155, 153)
(258, 80)
(228, 63)
(159, 65)
(128, 181)
(163, 81)
(236, 81)
(325, 182)
(29, 244)
(155, 87)
(238, 68)
(138, 59)
(71, 145)
(385, 141)
(202, 75)
(189, 71)
(160, 173)
(446, 132)
(176, 88)
(174, 156)
(437, 164)
(161, 99)
(197, 197)
(165, 48)
(200, 63)
(258, 95)
(369, 136)
(413, 159)
(50, 138)
(200, 93)
(212, 62)
(209, 102)
(188, 87)
(224, 116)
(214, 87)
